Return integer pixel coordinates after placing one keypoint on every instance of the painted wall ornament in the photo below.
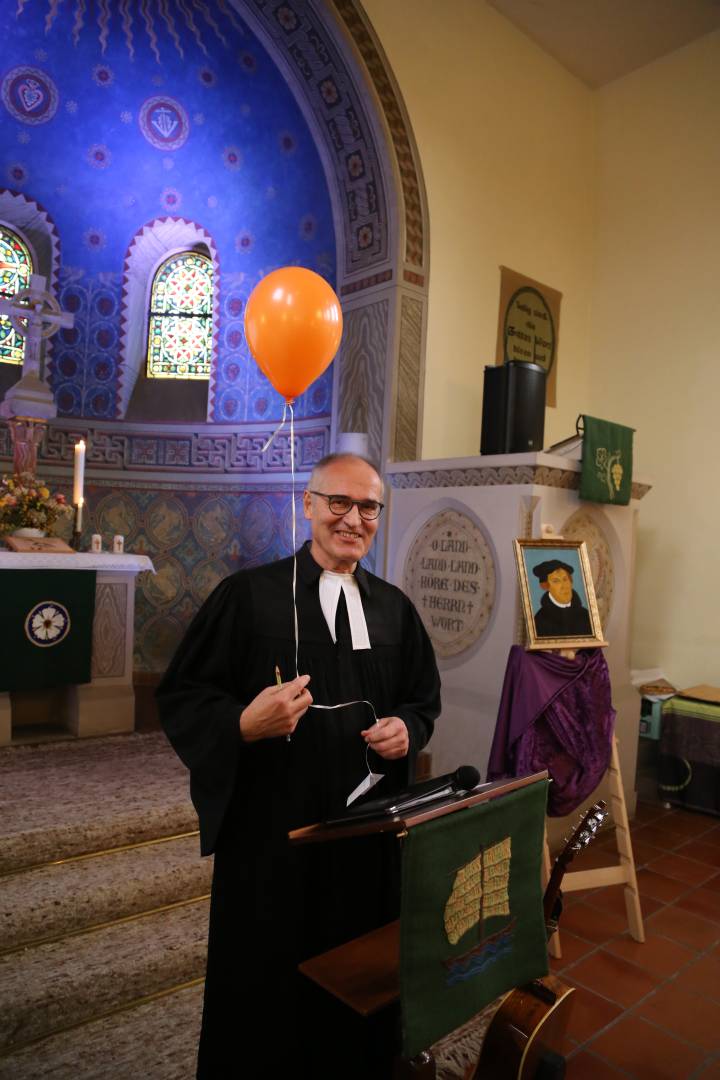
(164, 123)
(584, 525)
(29, 95)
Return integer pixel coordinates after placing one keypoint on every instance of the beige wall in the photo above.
(507, 143)
(613, 197)
(656, 363)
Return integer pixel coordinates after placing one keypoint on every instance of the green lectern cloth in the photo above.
(46, 619)
(606, 462)
(471, 924)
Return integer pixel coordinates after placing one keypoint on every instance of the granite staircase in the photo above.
(103, 912)
(103, 915)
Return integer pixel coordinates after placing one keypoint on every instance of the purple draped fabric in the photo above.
(555, 714)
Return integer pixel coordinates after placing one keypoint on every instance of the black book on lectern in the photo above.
(414, 797)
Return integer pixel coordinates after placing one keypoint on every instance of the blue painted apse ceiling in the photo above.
(109, 127)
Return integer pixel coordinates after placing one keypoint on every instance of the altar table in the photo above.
(105, 705)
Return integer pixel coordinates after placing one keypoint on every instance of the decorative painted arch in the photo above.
(330, 58)
(150, 246)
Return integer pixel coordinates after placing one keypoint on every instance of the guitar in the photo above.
(525, 1033)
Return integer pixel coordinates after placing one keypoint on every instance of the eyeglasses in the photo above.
(368, 509)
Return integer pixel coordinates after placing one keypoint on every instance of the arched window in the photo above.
(16, 266)
(180, 322)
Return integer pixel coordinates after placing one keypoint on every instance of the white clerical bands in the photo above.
(330, 586)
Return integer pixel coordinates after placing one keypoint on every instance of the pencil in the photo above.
(278, 680)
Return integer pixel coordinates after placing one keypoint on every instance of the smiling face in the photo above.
(559, 583)
(340, 541)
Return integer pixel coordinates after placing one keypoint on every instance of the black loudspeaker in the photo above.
(513, 412)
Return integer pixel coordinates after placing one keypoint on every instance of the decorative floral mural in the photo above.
(195, 540)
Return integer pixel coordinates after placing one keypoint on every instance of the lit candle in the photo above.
(78, 515)
(79, 475)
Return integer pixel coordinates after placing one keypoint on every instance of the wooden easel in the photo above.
(622, 873)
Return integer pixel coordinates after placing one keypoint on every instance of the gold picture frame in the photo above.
(557, 592)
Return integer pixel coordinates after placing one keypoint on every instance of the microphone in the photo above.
(465, 778)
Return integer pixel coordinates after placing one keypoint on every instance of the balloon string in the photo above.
(289, 405)
(294, 543)
(277, 431)
(344, 704)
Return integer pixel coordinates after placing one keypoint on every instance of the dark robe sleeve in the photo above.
(200, 704)
(421, 705)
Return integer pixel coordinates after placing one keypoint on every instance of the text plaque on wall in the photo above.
(529, 326)
(449, 575)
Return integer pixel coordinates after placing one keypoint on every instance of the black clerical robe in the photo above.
(273, 905)
(554, 621)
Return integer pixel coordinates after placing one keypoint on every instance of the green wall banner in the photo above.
(607, 461)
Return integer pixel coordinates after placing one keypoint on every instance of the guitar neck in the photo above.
(582, 836)
(552, 892)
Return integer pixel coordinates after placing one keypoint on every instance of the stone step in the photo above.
(66, 798)
(154, 1041)
(50, 987)
(59, 899)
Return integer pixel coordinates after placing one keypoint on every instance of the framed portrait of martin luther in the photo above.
(558, 596)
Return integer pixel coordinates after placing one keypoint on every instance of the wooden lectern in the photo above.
(491, 901)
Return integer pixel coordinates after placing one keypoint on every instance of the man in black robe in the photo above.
(561, 612)
(263, 760)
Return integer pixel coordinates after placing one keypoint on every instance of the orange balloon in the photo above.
(293, 326)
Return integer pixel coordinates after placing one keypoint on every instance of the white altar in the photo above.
(106, 705)
(449, 545)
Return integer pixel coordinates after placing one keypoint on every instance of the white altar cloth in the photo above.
(79, 560)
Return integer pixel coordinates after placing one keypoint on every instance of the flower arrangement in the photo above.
(26, 502)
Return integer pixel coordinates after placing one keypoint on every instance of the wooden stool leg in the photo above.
(624, 846)
(554, 948)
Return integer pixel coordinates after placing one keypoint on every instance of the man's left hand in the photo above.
(389, 737)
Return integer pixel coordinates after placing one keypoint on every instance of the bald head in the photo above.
(331, 460)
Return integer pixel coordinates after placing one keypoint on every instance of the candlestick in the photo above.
(79, 474)
(77, 525)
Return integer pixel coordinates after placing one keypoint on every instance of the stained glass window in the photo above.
(180, 325)
(15, 270)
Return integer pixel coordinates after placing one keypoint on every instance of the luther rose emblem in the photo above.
(48, 623)
(164, 123)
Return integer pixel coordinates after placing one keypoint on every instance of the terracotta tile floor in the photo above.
(648, 1011)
